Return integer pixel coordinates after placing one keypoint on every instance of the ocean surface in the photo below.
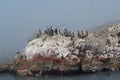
(94, 76)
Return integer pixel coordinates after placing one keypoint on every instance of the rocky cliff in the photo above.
(64, 50)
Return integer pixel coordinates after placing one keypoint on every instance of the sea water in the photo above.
(94, 76)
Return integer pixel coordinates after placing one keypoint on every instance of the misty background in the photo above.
(19, 19)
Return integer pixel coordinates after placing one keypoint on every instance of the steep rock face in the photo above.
(58, 45)
(48, 45)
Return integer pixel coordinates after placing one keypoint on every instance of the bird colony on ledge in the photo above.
(63, 50)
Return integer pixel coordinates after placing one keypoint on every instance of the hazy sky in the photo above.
(20, 18)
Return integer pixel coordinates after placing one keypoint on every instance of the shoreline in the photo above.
(6, 70)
